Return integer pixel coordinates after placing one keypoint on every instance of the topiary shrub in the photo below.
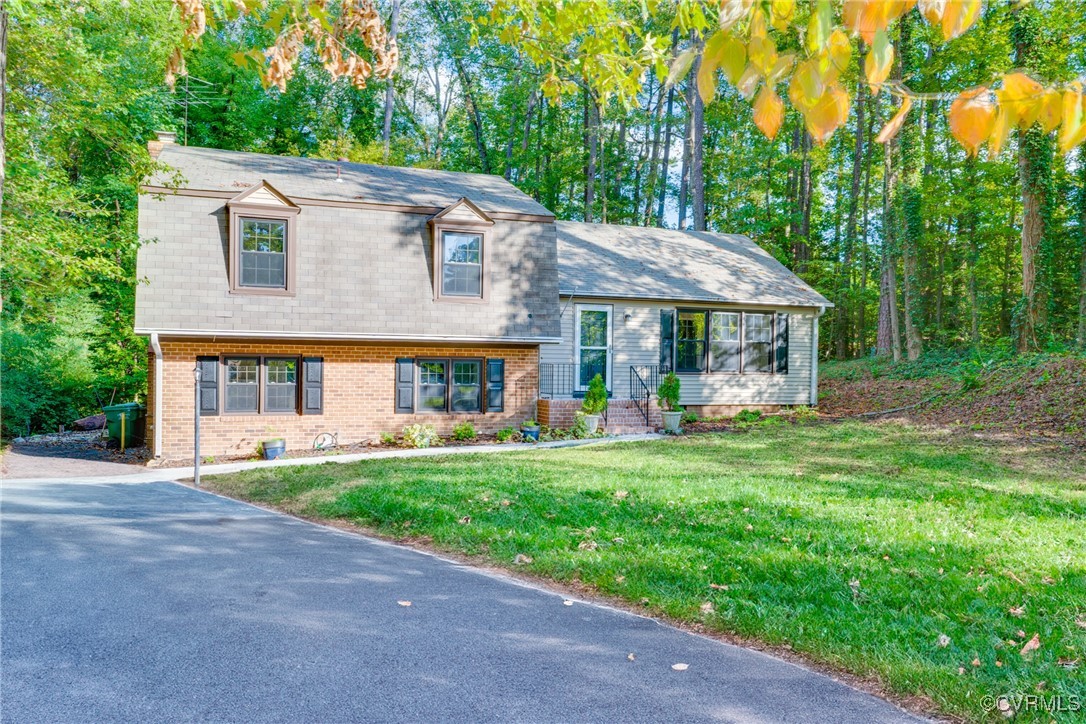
(668, 392)
(595, 399)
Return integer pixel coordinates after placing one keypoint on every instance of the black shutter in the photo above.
(312, 386)
(667, 340)
(209, 385)
(782, 344)
(405, 385)
(495, 385)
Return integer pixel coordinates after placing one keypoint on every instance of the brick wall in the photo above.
(358, 396)
(620, 413)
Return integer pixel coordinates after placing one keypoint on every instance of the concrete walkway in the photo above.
(128, 601)
(90, 472)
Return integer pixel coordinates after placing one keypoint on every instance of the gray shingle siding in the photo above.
(359, 272)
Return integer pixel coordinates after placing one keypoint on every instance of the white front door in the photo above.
(592, 336)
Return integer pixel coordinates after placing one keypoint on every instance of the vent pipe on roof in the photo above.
(339, 169)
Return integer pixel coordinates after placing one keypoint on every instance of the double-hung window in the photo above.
(462, 264)
(243, 384)
(690, 338)
(450, 385)
(724, 342)
(280, 385)
(261, 385)
(757, 342)
(264, 253)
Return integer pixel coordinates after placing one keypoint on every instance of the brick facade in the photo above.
(359, 386)
(622, 415)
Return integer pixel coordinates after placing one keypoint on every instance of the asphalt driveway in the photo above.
(155, 602)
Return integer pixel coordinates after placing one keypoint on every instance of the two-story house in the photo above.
(318, 296)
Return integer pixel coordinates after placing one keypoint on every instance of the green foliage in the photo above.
(802, 414)
(689, 417)
(508, 434)
(529, 423)
(668, 392)
(595, 398)
(464, 431)
(746, 416)
(420, 436)
(830, 531)
(387, 438)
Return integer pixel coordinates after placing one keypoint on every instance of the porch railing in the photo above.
(563, 380)
(644, 379)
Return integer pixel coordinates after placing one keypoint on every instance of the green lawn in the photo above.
(924, 560)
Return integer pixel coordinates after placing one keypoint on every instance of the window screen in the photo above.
(757, 342)
(432, 386)
(724, 342)
(690, 347)
(467, 386)
(263, 253)
(280, 385)
(462, 265)
(242, 384)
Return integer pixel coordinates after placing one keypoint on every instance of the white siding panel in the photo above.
(263, 196)
(637, 342)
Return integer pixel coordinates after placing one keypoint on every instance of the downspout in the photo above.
(814, 355)
(158, 394)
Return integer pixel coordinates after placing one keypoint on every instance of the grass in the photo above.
(920, 559)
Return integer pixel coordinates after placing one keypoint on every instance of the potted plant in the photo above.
(274, 448)
(530, 430)
(668, 395)
(595, 402)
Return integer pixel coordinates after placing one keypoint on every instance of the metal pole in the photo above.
(196, 414)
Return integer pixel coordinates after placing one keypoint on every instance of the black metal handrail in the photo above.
(644, 379)
(563, 379)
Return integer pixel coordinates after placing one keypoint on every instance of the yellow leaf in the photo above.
(1032, 645)
(1051, 110)
(972, 118)
(867, 17)
(879, 61)
(1000, 130)
(1020, 98)
(733, 59)
(782, 12)
(819, 27)
(892, 128)
(827, 113)
(781, 68)
(768, 112)
(1073, 130)
(731, 11)
(840, 53)
(680, 66)
(706, 82)
(757, 24)
(748, 82)
(762, 53)
(959, 16)
(713, 51)
(806, 84)
(932, 10)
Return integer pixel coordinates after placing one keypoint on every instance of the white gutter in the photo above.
(814, 355)
(157, 451)
(324, 336)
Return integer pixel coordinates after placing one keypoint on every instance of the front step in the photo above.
(627, 429)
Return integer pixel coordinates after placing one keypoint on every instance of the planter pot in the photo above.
(592, 422)
(274, 449)
(530, 432)
(671, 421)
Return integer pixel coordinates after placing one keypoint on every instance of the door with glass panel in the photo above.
(592, 334)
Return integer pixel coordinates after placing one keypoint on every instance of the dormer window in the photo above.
(462, 265)
(262, 241)
(460, 253)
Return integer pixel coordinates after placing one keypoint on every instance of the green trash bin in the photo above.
(135, 422)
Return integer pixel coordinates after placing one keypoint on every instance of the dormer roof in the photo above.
(263, 194)
(462, 212)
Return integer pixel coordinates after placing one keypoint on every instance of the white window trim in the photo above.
(610, 359)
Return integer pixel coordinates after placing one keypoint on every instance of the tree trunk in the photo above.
(654, 153)
(665, 162)
(3, 97)
(910, 199)
(697, 147)
(970, 229)
(845, 278)
(801, 250)
(1082, 240)
(684, 180)
(861, 322)
(591, 144)
(390, 92)
(889, 336)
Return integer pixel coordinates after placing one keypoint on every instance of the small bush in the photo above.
(804, 414)
(689, 417)
(747, 416)
(387, 438)
(595, 399)
(421, 436)
(508, 434)
(529, 423)
(464, 431)
(580, 427)
(668, 392)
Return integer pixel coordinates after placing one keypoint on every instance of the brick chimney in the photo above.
(161, 139)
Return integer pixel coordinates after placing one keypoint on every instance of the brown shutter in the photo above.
(209, 385)
(405, 385)
(312, 386)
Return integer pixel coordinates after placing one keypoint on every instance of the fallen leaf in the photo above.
(1018, 611)
(630, 657)
(506, 503)
(1016, 579)
(465, 520)
(707, 607)
(943, 641)
(620, 579)
(522, 560)
(1032, 645)
(999, 664)
(719, 586)
(976, 662)
(1067, 663)
(404, 603)
(1080, 622)
(961, 670)
(567, 602)
(1021, 634)
(680, 667)
(750, 527)
(588, 545)
(621, 494)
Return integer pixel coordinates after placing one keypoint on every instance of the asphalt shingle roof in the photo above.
(210, 169)
(602, 260)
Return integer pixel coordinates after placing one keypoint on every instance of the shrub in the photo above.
(595, 399)
(804, 414)
(529, 423)
(464, 431)
(421, 436)
(508, 434)
(387, 438)
(668, 392)
(580, 427)
(747, 416)
(689, 417)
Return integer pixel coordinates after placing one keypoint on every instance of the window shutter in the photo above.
(405, 385)
(209, 385)
(495, 385)
(312, 386)
(782, 344)
(667, 340)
